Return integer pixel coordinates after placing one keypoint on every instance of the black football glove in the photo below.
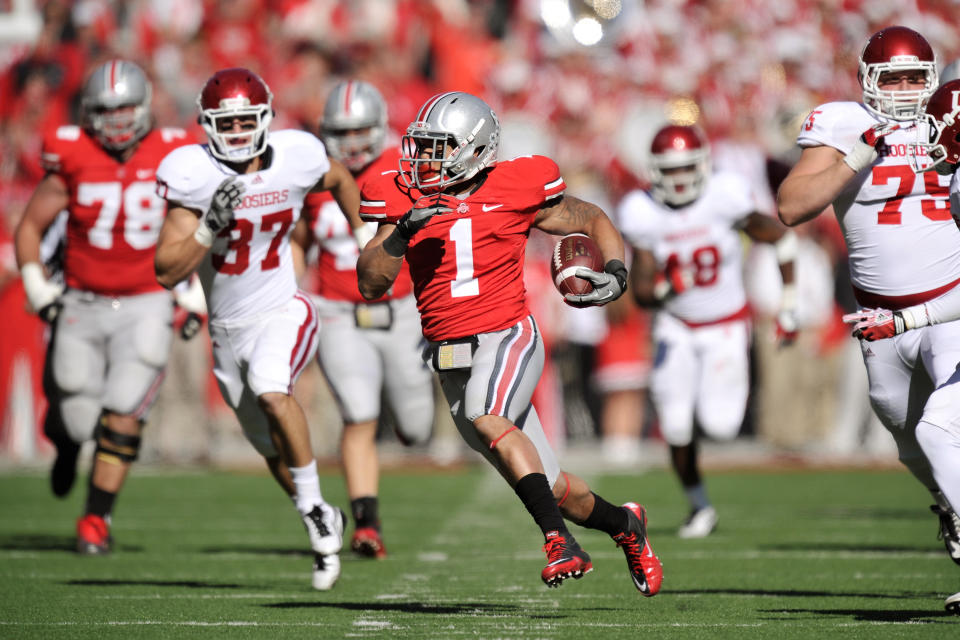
(226, 198)
(416, 219)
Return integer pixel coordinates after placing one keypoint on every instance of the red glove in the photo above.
(672, 281)
(875, 324)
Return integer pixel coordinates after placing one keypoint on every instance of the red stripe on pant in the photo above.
(302, 346)
(509, 372)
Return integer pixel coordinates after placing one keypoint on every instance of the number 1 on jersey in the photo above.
(464, 285)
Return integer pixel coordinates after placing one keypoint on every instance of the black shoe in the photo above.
(64, 471)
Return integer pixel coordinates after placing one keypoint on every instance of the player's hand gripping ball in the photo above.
(569, 254)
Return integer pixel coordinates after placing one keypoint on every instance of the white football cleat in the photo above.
(700, 524)
(326, 570)
(949, 530)
(324, 525)
(953, 603)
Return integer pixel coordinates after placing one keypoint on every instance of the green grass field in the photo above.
(221, 555)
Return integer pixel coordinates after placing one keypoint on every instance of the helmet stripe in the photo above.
(425, 110)
(347, 97)
(113, 75)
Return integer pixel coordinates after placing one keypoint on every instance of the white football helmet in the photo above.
(111, 87)
(461, 121)
(232, 93)
(896, 49)
(354, 125)
(679, 164)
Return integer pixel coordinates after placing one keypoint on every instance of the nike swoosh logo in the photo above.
(490, 207)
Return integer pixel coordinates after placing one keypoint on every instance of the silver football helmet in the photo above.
(111, 87)
(457, 131)
(354, 125)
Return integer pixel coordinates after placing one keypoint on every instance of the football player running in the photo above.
(111, 323)
(687, 261)
(904, 251)
(461, 221)
(232, 205)
(938, 135)
(365, 347)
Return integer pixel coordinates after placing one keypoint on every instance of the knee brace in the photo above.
(115, 448)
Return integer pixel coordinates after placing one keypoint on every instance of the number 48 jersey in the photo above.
(900, 236)
(249, 268)
(702, 238)
(114, 216)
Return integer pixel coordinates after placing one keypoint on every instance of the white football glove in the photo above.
(864, 151)
(43, 295)
(226, 198)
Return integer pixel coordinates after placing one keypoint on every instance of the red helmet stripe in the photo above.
(347, 97)
(113, 75)
(431, 103)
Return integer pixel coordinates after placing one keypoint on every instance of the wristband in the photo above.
(618, 270)
(914, 317)
(203, 235)
(395, 245)
(786, 247)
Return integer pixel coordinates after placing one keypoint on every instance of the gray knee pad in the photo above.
(80, 416)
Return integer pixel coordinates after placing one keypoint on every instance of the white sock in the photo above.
(697, 496)
(307, 482)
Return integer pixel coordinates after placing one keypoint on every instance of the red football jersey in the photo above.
(467, 265)
(337, 259)
(114, 215)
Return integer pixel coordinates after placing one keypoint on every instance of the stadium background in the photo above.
(583, 82)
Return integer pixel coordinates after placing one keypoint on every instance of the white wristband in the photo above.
(915, 317)
(363, 234)
(786, 247)
(203, 235)
(40, 291)
(860, 157)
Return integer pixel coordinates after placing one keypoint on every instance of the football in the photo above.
(571, 252)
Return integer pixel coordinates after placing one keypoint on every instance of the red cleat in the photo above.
(93, 536)
(565, 559)
(645, 567)
(367, 542)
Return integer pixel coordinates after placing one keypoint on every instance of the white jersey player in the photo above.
(368, 348)
(688, 262)
(232, 206)
(904, 246)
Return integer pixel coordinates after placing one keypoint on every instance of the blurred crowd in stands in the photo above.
(747, 71)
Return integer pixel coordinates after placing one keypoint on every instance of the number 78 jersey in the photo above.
(897, 224)
(249, 268)
(114, 217)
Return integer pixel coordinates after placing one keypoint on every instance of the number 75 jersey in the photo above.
(249, 268)
(897, 224)
(114, 217)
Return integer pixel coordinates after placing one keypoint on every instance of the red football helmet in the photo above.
(679, 164)
(232, 93)
(896, 49)
(940, 138)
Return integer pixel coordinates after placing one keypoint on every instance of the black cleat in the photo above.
(64, 471)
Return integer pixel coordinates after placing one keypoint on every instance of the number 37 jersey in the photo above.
(249, 268)
(114, 216)
(900, 236)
